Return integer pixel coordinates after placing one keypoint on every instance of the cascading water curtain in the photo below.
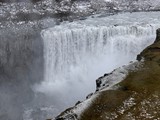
(71, 47)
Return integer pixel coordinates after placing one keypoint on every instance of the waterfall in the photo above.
(64, 49)
(76, 56)
(77, 53)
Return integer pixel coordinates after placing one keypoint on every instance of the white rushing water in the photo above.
(77, 53)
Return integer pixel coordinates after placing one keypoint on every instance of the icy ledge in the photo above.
(106, 82)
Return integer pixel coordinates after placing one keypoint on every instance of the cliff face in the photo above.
(136, 97)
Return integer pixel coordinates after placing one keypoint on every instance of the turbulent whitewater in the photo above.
(77, 53)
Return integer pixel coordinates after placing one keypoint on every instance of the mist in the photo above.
(75, 57)
(21, 67)
(44, 71)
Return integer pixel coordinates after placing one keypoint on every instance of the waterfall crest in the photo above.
(76, 57)
(71, 47)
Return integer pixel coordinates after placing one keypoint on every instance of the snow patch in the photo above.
(109, 80)
(76, 112)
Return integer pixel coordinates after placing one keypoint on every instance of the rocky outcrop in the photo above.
(152, 53)
(136, 97)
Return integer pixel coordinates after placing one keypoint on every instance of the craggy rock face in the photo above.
(152, 53)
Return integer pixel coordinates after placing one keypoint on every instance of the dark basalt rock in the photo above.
(88, 96)
(158, 35)
(68, 117)
(98, 83)
(151, 53)
(78, 103)
(139, 57)
(106, 74)
(155, 49)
